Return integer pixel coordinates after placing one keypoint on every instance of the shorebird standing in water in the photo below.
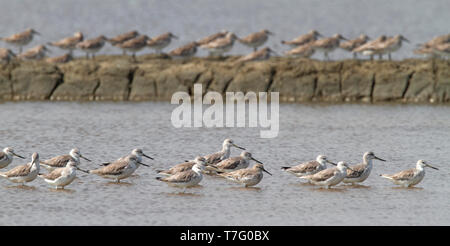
(361, 172)
(310, 167)
(248, 176)
(6, 55)
(35, 53)
(212, 37)
(92, 46)
(62, 160)
(328, 177)
(120, 169)
(24, 173)
(355, 43)
(134, 45)
(160, 42)
(410, 177)
(262, 54)
(220, 45)
(136, 152)
(233, 163)
(6, 157)
(182, 167)
(256, 39)
(311, 36)
(187, 178)
(21, 39)
(185, 51)
(217, 157)
(69, 43)
(327, 45)
(61, 177)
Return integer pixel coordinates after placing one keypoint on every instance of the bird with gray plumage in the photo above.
(217, 157)
(233, 163)
(186, 178)
(61, 177)
(410, 177)
(248, 176)
(136, 152)
(62, 160)
(6, 156)
(182, 167)
(23, 173)
(361, 172)
(120, 169)
(310, 167)
(328, 177)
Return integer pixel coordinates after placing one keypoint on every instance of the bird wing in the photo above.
(304, 167)
(58, 161)
(324, 175)
(18, 171)
(404, 175)
(357, 171)
(2, 156)
(230, 163)
(210, 38)
(215, 158)
(253, 37)
(53, 174)
(181, 177)
(115, 168)
(158, 40)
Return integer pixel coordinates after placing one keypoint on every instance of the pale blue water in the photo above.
(417, 20)
(105, 131)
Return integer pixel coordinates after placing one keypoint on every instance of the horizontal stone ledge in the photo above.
(158, 77)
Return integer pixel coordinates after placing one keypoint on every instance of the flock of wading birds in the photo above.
(219, 43)
(62, 169)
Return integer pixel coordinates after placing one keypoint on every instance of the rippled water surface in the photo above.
(106, 131)
(417, 20)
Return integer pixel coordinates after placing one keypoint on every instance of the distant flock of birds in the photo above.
(219, 43)
(62, 169)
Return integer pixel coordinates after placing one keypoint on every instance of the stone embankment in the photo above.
(118, 78)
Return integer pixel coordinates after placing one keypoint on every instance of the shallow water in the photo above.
(401, 134)
(417, 20)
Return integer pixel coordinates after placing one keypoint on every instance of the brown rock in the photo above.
(79, 82)
(34, 81)
(252, 77)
